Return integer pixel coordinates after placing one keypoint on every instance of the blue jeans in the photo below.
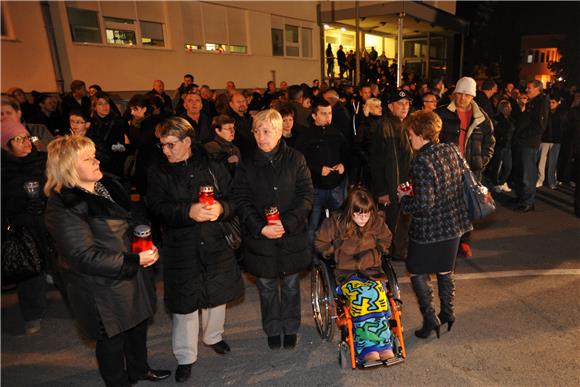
(501, 166)
(330, 199)
(525, 173)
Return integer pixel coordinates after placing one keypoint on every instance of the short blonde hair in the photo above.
(60, 166)
(370, 103)
(176, 127)
(424, 124)
(270, 116)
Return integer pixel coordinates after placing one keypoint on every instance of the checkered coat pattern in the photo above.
(438, 208)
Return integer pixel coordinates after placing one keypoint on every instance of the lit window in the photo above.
(120, 32)
(216, 47)
(238, 49)
(84, 25)
(152, 34)
(193, 47)
(530, 58)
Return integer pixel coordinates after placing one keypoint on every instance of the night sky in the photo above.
(496, 29)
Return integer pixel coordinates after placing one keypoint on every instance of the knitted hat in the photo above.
(10, 129)
(466, 85)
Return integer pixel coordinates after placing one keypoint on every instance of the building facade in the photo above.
(538, 52)
(125, 45)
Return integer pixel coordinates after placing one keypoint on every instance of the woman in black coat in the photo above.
(199, 269)
(275, 251)
(21, 163)
(110, 297)
(439, 218)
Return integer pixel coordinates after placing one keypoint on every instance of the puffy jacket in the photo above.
(283, 182)
(199, 269)
(479, 141)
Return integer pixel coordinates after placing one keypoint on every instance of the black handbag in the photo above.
(20, 254)
(477, 197)
(231, 228)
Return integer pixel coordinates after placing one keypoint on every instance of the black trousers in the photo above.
(123, 357)
(280, 304)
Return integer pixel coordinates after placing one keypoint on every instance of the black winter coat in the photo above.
(324, 146)
(389, 157)
(557, 126)
(244, 139)
(504, 131)
(108, 133)
(532, 123)
(200, 270)
(283, 182)
(106, 287)
(479, 141)
(438, 209)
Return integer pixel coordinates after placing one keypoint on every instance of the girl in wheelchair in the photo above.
(356, 238)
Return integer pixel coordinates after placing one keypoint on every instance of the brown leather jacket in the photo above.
(354, 253)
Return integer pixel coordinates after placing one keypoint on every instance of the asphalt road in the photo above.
(517, 324)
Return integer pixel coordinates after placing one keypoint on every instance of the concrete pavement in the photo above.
(517, 324)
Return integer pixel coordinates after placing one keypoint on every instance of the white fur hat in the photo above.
(465, 85)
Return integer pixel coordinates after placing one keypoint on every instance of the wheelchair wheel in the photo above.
(393, 283)
(322, 296)
(344, 356)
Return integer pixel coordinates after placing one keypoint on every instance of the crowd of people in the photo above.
(303, 169)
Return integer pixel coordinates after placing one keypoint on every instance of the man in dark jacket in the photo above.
(77, 99)
(551, 141)
(389, 160)
(468, 127)
(483, 97)
(530, 126)
(341, 59)
(275, 248)
(326, 152)
(159, 90)
(237, 109)
(295, 97)
(194, 115)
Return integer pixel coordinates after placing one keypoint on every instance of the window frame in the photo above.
(275, 29)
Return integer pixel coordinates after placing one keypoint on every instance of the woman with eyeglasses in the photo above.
(23, 165)
(274, 194)
(199, 269)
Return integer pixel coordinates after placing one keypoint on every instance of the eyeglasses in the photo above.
(169, 145)
(21, 139)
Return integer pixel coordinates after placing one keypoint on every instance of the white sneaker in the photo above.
(32, 327)
(505, 188)
(539, 185)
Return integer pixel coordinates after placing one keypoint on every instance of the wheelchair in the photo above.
(331, 312)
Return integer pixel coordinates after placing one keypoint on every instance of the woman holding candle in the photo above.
(88, 216)
(188, 195)
(274, 194)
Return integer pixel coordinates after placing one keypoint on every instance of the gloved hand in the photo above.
(35, 206)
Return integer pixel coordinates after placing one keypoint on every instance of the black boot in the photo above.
(422, 287)
(446, 285)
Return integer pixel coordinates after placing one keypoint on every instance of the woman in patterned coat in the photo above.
(439, 218)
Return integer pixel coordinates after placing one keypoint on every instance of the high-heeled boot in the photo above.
(422, 287)
(446, 286)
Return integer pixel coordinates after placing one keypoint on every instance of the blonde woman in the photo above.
(275, 176)
(110, 297)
